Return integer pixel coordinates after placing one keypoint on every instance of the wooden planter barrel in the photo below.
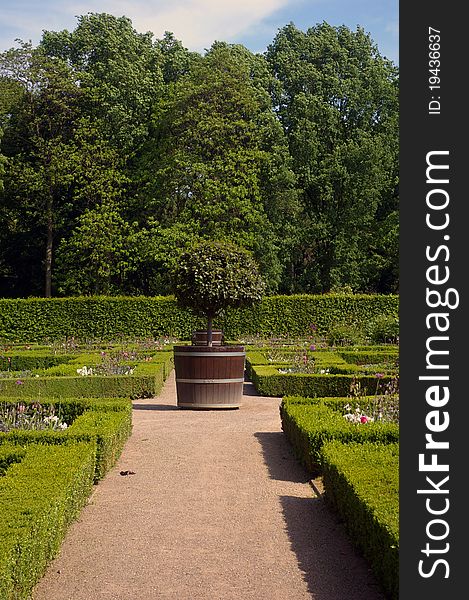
(199, 338)
(209, 377)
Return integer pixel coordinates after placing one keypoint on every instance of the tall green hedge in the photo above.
(110, 318)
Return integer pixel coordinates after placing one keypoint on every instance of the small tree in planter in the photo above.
(208, 279)
(214, 276)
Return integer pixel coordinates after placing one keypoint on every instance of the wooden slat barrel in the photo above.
(199, 338)
(209, 377)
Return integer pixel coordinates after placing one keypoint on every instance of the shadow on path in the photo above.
(249, 389)
(332, 567)
(154, 407)
(279, 457)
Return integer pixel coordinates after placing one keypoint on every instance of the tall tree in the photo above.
(37, 134)
(338, 104)
(99, 254)
(120, 74)
(211, 156)
(57, 163)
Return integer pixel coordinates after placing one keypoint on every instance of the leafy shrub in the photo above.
(309, 426)
(108, 422)
(269, 382)
(38, 319)
(345, 335)
(383, 329)
(213, 276)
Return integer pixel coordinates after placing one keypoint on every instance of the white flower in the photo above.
(51, 419)
(85, 371)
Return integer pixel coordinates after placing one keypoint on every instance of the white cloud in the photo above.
(197, 23)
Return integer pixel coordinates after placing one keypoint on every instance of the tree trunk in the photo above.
(209, 330)
(48, 282)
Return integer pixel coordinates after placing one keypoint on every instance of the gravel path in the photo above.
(217, 508)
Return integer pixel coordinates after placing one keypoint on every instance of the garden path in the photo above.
(215, 508)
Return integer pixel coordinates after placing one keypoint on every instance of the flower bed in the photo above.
(93, 375)
(106, 421)
(317, 372)
(309, 424)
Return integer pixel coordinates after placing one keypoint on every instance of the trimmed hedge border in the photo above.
(269, 382)
(335, 360)
(309, 425)
(105, 422)
(40, 495)
(31, 359)
(361, 483)
(108, 318)
(146, 382)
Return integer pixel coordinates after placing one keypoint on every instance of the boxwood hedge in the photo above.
(308, 426)
(361, 483)
(41, 493)
(107, 422)
(269, 382)
(110, 318)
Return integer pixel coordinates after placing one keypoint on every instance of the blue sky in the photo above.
(198, 23)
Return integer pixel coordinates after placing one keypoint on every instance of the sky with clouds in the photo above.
(198, 23)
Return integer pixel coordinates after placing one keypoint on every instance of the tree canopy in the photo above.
(119, 151)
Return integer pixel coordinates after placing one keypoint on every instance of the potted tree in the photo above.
(209, 278)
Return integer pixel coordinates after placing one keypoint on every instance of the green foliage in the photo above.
(9, 454)
(291, 155)
(40, 167)
(221, 163)
(362, 483)
(111, 429)
(342, 334)
(383, 329)
(106, 422)
(371, 356)
(32, 359)
(39, 498)
(146, 385)
(36, 319)
(308, 426)
(99, 255)
(212, 276)
(269, 382)
(120, 74)
(338, 103)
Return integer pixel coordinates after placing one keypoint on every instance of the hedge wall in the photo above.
(362, 484)
(111, 318)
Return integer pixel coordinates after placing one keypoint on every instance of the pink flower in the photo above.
(363, 419)
(19, 382)
(379, 375)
